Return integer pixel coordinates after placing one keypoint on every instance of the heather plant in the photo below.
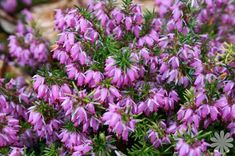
(123, 81)
(27, 46)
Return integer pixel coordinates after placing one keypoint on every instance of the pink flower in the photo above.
(38, 81)
(174, 61)
(118, 76)
(199, 82)
(159, 139)
(25, 46)
(3, 102)
(182, 147)
(231, 127)
(8, 134)
(228, 87)
(43, 91)
(91, 35)
(54, 93)
(117, 15)
(72, 71)
(114, 119)
(82, 149)
(204, 110)
(195, 149)
(67, 105)
(144, 53)
(79, 116)
(128, 23)
(214, 113)
(188, 116)
(106, 94)
(72, 139)
(45, 127)
(163, 6)
(93, 78)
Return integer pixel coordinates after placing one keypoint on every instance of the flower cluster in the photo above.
(125, 81)
(11, 5)
(27, 46)
(15, 99)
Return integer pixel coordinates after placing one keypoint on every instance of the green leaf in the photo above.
(84, 12)
(103, 146)
(126, 4)
(148, 18)
(51, 151)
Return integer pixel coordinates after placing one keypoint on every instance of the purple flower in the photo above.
(9, 5)
(170, 71)
(43, 91)
(196, 149)
(163, 6)
(82, 149)
(128, 23)
(26, 47)
(118, 15)
(106, 94)
(72, 139)
(54, 93)
(159, 136)
(188, 116)
(91, 35)
(118, 124)
(93, 78)
(45, 127)
(8, 134)
(118, 76)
